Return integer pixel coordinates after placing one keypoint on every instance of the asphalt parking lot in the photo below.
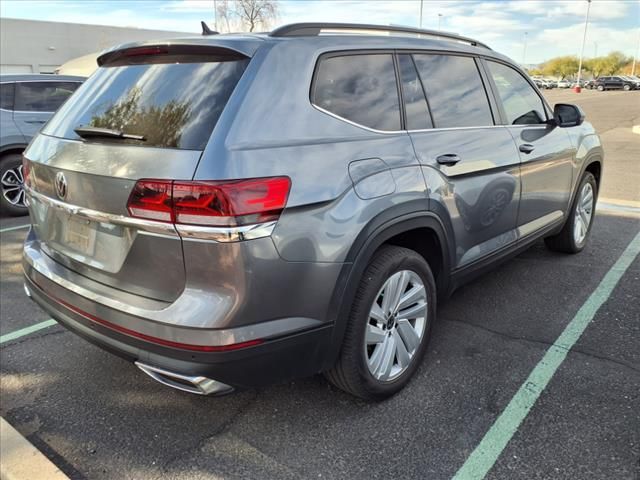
(96, 416)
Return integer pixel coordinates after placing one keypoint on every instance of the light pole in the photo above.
(635, 57)
(439, 21)
(421, 5)
(524, 51)
(584, 38)
(215, 16)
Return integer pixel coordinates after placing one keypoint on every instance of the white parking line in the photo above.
(10, 229)
(485, 455)
(27, 330)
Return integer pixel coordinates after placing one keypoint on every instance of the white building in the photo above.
(30, 46)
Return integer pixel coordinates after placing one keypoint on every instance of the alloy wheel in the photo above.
(583, 214)
(396, 325)
(12, 183)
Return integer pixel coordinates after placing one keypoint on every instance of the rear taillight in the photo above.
(210, 203)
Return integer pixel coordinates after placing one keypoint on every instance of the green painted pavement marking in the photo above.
(495, 440)
(26, 331)
(10, 229)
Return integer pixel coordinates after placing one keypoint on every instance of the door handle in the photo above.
(39, 122)
(448, 159)
(527, 148)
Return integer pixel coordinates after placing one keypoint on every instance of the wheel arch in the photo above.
(14, 148)
(403, 230)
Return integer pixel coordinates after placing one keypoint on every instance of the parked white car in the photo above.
(563, 84)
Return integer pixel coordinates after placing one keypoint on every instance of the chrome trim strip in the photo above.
(539, 223)
(395, 132)
(186, 232)
(201, 385)
(102, 217)
(331, 114)
(226, 234)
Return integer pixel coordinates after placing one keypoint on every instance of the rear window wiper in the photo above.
(89, 132)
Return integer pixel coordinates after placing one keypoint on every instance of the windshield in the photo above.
(171, 105)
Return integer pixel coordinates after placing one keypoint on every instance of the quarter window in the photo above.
(361, 88)
(455, 91)
(521, 103)
(415, 103)
(6, 95)
(43, 96)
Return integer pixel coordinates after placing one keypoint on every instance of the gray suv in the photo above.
(235, 210)
(26, 103)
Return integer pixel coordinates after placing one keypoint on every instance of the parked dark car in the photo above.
(26, 103)
(191, 218)
(634, 80)
(614, 83)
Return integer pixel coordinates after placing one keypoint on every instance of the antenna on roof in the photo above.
(206, 30)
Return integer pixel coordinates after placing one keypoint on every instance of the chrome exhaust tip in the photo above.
(187, 383)
(26, 290)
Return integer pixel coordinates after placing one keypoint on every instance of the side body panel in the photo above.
(479, 195)
(546, 174)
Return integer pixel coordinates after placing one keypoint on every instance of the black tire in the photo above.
(626, 88)
(351, 372)
(10, 162)
(565, 241)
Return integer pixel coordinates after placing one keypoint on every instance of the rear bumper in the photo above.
(275, 360)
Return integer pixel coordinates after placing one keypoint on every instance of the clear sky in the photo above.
(551, 27)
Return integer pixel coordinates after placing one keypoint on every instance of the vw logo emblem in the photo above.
(61, 185)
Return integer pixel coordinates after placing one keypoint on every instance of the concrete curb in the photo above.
(19, 460)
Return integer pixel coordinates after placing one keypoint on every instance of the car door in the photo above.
(470, 165)
(546, 151)
(9, 133)
(36, 101)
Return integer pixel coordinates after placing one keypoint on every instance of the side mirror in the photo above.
(567, 115)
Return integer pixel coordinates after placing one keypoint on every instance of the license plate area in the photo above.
(80, 235)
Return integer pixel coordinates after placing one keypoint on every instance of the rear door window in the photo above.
(6, 95)
(43, 96)
(361, 88)
(521, 103)
(415, 103)
(455, 91)
(172, 105)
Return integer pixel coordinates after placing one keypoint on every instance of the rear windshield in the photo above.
(173, 105)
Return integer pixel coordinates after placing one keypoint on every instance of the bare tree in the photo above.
(245, 15)
(254, 13)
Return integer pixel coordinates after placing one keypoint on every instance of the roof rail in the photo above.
(314, 29)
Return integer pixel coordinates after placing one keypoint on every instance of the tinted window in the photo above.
(43, 96)
(416, 108)
(521, 103)
(173, 105)
(6, 95)
(455, 91)
(360, 88)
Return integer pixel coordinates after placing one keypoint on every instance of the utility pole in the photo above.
(584, 38)
(421, 5)
(635, 57)
(215, 16)
(524, 51)
(439, 21)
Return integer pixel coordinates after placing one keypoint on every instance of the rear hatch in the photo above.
(147, 113)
